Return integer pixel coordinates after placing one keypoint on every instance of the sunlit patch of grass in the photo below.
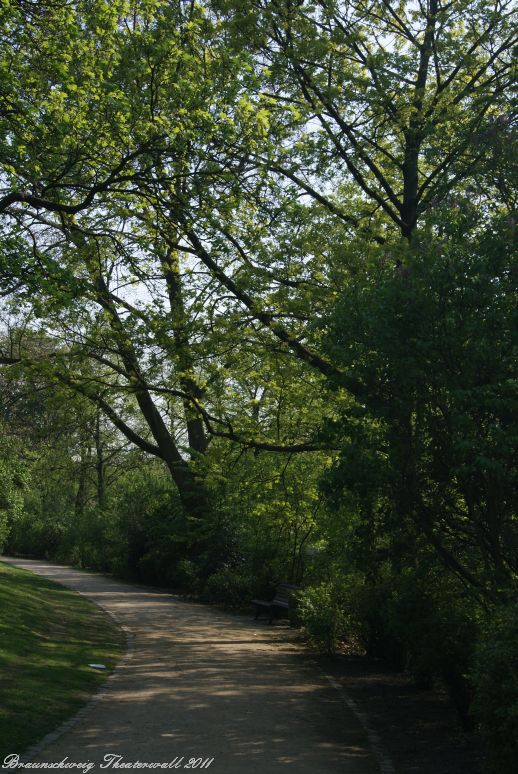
(48, 636)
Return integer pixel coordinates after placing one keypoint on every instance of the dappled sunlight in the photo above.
(204, 683)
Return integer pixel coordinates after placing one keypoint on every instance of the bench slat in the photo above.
(277, 606)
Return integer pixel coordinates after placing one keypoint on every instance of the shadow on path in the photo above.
(205, 684)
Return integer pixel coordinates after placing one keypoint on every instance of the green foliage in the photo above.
(496, 680)
(370, 623)
(233, 232)
(322, 611)
(41, 525)
(429, 614)
(36, 534)
(228, 586)
(425, 482)
(13, 482)
(147, 534)
(428, 448)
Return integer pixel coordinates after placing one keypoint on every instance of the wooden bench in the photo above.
(279, 606)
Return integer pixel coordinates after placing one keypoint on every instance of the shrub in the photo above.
(496, 681)
(227, 586)
(13, 480)
(321, 609)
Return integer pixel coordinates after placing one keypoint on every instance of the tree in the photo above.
(429, 447)
(13, 479)
(197, 234)
(168, 72)
(390, 100)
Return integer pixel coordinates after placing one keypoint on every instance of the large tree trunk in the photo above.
(189, 483)
(183, 353)
(82, 474)
(414, 133)
(99, 462)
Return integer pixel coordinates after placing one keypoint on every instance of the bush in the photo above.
(227, 586)
(321, 609)
(496, 681)
(148, 533)
(13, 480)
(33, 534)
(370, 605)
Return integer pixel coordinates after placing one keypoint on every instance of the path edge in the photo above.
(38, 747)
(382, 757)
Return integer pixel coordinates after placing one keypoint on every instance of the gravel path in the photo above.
(203, 684)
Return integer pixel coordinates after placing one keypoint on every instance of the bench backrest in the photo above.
(284, 591)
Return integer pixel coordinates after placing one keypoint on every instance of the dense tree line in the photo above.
(258, 305)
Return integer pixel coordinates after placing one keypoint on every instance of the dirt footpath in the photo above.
(203, 684)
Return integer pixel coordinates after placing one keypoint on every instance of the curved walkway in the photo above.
(204, 684)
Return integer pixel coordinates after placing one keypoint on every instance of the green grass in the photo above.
(48, 636)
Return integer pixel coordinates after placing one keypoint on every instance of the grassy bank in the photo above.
(48, 636)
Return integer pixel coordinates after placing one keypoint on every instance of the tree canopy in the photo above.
(257, 280)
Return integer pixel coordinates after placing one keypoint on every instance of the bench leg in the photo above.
(260, 609)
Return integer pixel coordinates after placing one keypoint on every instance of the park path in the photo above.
(201, 683)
